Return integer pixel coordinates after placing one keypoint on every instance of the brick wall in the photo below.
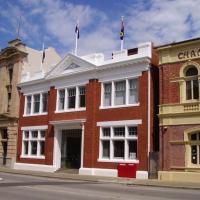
(93, 115)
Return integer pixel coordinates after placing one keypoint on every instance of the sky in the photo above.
(53, 22)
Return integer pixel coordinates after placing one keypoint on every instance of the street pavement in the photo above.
(18, 187)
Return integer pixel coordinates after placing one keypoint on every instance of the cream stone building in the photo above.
(17, 62)
(179, 110)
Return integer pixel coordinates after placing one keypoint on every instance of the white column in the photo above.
(112, 94)
(77, 98)
(57, 148)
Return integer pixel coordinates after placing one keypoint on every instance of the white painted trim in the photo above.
(32, 104)
(109, 172)
(32, 157)
(117, 160)
(57, 148)
(98, 172)
(35, 167)
(67, 122)
(119, 106)
(70, 110)
(149, 113)
(127, 104)
(35, 114)
(36, 92)
(141, 175)
(119, 123)
(29, 128)
(66, 109)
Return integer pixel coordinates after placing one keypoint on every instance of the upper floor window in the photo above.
(36, 104)
(71, 98)
(119, 93)
(192, 83)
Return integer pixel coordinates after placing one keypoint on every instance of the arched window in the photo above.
(194, 140)
(192, 85)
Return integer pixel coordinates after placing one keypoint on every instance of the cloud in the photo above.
(163, 21)
(54, 21)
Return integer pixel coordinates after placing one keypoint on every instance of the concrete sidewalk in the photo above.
(101, 179)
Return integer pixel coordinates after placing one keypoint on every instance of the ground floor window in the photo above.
(118, 143)
(33, 144)
(195, 148)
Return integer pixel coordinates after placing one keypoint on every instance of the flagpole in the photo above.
(122, 40)
(42, 58)
(122, 45)
(76, 42)
(18, 28)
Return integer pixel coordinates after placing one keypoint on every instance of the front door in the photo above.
(71, 149)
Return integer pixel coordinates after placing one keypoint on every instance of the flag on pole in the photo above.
(43, 54)
(77, 31)
(122, 30)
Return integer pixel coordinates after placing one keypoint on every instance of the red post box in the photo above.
(127, 170)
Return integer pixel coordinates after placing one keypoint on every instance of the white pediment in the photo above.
(70, 64)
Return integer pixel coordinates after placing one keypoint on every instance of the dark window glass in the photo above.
(106, 149)
(192, 71)
(36, 108)
(42, 147)
(132, 149)
(44, 102)
(194, 154)
(133, 91)
(194, 136)
(26, 134)
(42, 134)
(188, 90)
(107, 94)
(196, 89)
(28, 106)
(119, 149)
(61, 99)
(119, 131)
(25, 147)
(132, 131)
(33, 147)
(82, 97)
(34, 134)
(120, 93)
(106, 132)
(71, 98)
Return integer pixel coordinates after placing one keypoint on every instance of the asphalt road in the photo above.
(20, 187)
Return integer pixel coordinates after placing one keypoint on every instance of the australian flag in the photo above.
(122, 31)
(77, 31)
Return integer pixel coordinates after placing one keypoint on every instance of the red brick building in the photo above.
(91, 114)
(179, 110)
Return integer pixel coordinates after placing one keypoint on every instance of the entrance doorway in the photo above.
(71, 149)
(4, 142)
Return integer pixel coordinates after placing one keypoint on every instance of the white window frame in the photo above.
(127, 93)
(77, 100)
(113, 138)
(32, 104)
(31, 139)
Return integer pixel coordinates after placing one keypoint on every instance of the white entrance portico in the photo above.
(61, 127)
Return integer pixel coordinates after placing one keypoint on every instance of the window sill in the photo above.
(70, 110)
(35, 114)
(117, 160)
(32, 157)
(119, 106)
